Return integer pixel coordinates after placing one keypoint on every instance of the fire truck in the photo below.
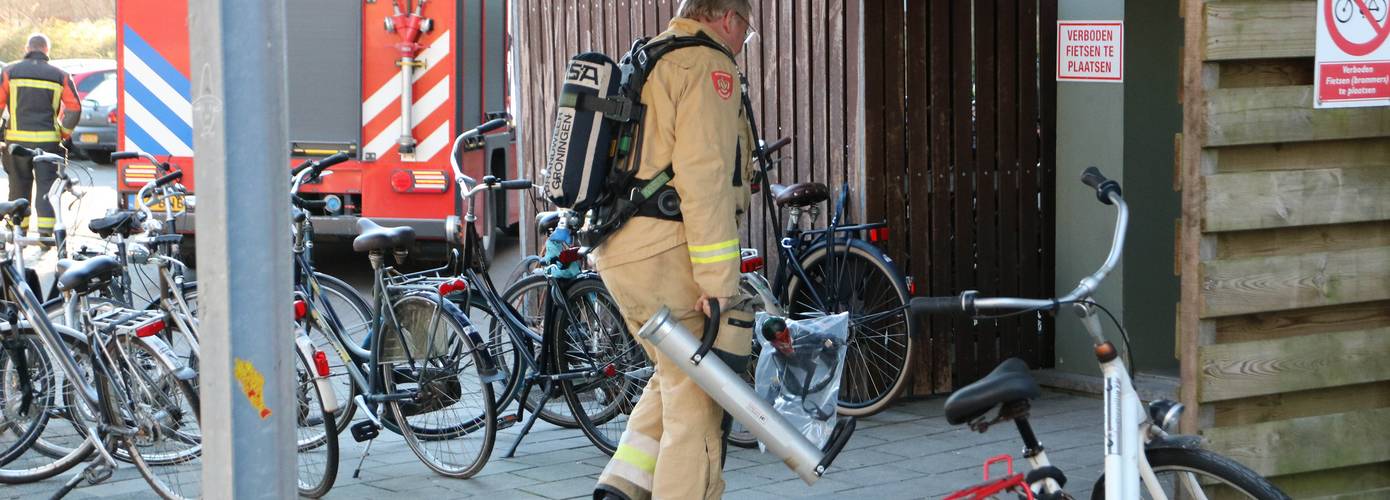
(389, 82)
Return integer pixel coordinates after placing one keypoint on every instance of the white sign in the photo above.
(1091, 51)
(1352, 68)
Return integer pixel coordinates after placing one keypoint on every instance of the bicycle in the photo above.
(1128, 425)
(578, 346)
(422, 373)
(130, 400)
(832, 270)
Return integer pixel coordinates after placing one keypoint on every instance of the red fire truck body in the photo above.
(347, 62)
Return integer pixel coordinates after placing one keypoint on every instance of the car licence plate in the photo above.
(176, 204)
(88, 138)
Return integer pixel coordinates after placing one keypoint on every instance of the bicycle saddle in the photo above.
(547, 221)
(1009, 382)
(124, 223)
(84, 276)
(800, 194)
(375, 237)
(16, 208)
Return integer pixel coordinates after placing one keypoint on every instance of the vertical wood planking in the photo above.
(1007, 101)
(801, 90)
(1029, 216)
(875, 103)
(894, 113)
(919, 149)
(820, 80)
(1047, 50)
(986, 227)
(838, 128)
(942, 203)
(962, 180)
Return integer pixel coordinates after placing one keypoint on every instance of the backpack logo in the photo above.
(723, 84)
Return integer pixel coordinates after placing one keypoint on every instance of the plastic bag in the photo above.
(799, 370)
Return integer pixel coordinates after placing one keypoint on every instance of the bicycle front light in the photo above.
(1165, 413)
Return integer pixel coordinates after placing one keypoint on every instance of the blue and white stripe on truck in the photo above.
(158, 109)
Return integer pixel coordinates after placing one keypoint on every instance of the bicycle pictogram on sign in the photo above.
(1358, 27)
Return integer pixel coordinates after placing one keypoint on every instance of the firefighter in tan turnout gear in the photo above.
(673, 445)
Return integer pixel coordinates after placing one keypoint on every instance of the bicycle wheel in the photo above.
(27, 391)
(591, 338)
(317, 445)
(63, 443)
(1198, 473)
(450, 423)
(355, 319)
(161, 411)
(856, 277)
(528, 297)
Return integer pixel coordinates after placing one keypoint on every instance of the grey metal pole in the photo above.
(241, 163)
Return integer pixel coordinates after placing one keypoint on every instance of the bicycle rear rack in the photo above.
(122, 321)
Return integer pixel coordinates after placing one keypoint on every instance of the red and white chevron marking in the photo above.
(381, 113)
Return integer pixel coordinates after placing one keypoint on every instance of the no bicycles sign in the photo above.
(1353, 58)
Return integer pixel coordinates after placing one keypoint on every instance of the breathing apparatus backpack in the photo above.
(595, 147)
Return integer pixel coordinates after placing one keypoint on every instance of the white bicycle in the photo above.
(1141, 459)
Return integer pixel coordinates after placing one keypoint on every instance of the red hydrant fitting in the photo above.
(409, 26)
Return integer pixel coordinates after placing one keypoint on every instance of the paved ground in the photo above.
(906, 452)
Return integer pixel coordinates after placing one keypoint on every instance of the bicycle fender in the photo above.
(487, 366)
(305, 349)
(166, 357)
(898, 277)
(1179, 441)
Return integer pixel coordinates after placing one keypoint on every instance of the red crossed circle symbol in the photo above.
(1355, 48)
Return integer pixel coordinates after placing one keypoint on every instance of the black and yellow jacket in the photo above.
(35, 94)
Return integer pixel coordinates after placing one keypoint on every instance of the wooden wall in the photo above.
(1285, 255)
(960, 161)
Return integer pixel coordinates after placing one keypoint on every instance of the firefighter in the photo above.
(673, 444)
(36, 94)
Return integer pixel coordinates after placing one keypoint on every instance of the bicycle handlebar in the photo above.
(170, 177)
(772, 148)
(124, 155)
(969, 304)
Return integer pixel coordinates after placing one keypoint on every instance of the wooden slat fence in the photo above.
(955, 150)
(959, 160)
(1285, 256)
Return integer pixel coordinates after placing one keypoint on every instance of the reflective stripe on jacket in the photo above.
(34, 93)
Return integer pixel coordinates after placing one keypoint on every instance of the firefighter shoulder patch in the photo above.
(723, 84)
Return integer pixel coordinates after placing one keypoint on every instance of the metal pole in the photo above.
(241, 156)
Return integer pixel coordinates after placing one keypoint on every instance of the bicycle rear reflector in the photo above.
(878, 234)
(451, 286)
(301, 309)
(321, 363)
(751, 264)
(150, 329)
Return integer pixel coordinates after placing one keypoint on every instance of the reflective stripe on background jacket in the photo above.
(33, 92)
(695, 124)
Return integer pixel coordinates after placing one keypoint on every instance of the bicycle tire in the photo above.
(862, 392)
(38, 464)
(457, 349)
(1235, 478)
(615, 392)
(174, 475)
(316, 449)
(23, 420)
(528, 297)
(355, 318)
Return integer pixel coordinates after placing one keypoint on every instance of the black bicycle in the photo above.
(420, 369)
(831, 270)
(552, 336)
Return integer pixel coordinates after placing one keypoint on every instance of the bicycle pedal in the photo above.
(506, 421)
(365, 431)
(98, 473)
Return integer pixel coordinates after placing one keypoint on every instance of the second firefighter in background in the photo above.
(43, 108)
